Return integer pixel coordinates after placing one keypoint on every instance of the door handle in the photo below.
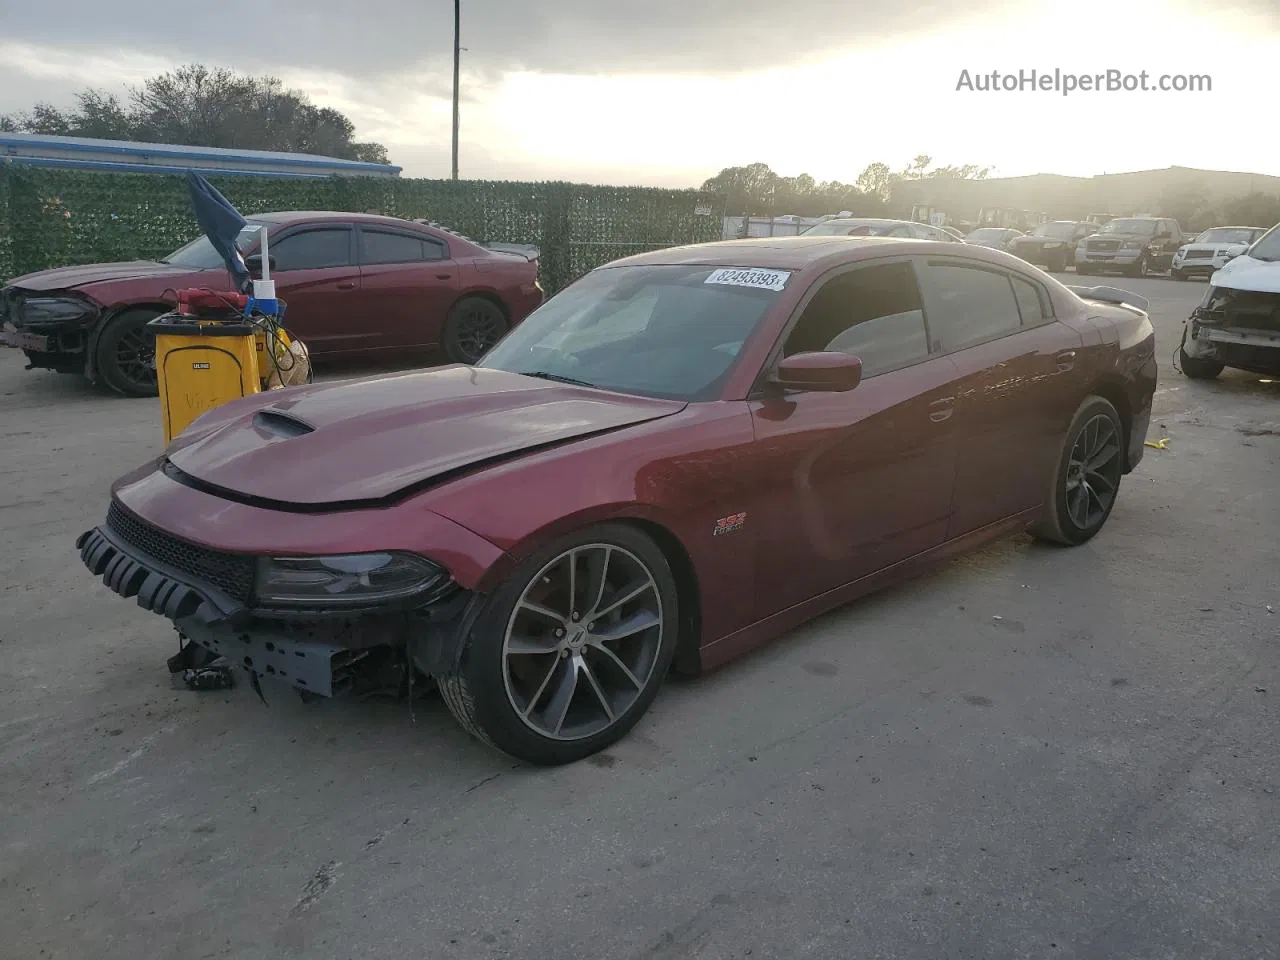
(941, 410)
(1066, 360)
(444, 276)
(347, 285)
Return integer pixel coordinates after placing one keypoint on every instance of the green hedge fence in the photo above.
(54, 217)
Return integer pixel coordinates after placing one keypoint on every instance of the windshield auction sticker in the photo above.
(760, 279)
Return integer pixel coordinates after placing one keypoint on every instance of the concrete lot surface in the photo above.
(1032, 753)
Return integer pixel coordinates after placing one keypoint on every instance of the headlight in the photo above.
(355, 579)
(41, 310)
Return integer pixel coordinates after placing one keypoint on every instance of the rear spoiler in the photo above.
(526, 250)
(1111, 295)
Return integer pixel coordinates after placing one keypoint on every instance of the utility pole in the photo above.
(457, 53)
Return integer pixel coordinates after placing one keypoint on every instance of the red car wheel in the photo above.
(572, 648)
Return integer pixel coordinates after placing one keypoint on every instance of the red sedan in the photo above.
(355, 285)
(680, 457)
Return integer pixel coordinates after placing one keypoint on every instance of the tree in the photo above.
(756, 190)
(876, 181)
(206, 107)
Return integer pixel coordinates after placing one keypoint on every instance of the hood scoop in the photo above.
(277, 424)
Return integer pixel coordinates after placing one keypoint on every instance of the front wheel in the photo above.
(1087, 477)
(474, 326)
(126, 354)
(1141, 268)
(1178, 274)
(1198, 368)
(570, 650)
(1083, 271)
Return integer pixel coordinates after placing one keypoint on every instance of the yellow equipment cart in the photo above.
(201, 364)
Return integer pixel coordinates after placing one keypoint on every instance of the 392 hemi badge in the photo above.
(729, 524)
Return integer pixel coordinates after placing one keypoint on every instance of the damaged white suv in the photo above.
(1237, 324)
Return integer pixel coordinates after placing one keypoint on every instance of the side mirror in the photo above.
(1236, 250)
(826, 372)
(254, 263)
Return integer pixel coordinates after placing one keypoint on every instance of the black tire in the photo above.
(1198, 368)
(478, 693)
(1177, 274)
(474, 326)
(1083, 271)
(1062, 523)
(1057, 264)
(126, 351)
(1141, 268)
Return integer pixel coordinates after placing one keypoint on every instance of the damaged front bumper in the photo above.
(318, 652)
(1238, 328)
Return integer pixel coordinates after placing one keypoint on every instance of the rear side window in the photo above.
(968, 305)
(873, 313)
(380, 246)
(313, 250)
(1033, 303)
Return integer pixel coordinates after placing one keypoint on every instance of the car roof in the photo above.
(298, 216)
(789, 253)
(866, 220)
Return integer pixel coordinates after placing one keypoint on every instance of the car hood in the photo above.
(364, 441)
(1141, 237)
(1246, 273)
(68, 278)
(1038, 240)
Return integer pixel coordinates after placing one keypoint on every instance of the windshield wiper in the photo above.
(555, 377)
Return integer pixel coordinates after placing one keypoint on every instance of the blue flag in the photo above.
(221, 223)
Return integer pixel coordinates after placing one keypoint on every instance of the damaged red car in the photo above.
(681, 456)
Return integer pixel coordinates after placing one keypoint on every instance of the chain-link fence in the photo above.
(54, 218)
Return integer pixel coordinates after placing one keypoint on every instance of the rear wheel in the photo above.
(474, 326)
(126, 354)
(1087, 477)
(570, 650)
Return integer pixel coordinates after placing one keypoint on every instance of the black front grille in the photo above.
(231, 573)
(1103, 245)
(1198, 254)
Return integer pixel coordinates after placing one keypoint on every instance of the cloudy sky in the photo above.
(667, 92)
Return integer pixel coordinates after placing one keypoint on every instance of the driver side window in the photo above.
(873, 313)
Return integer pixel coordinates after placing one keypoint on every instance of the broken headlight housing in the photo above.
(347, 580)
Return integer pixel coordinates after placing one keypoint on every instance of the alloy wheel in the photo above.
(136, 358)
(582, 642)
(1093, 472)
(477, 331)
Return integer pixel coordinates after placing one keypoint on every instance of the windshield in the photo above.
(845, 228)
(200, 255)
(1268, 246)
(1055, 231)
(1229, 235)
(659, 331)
(1142, 228)
(987, 235)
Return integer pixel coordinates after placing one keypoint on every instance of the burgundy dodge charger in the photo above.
(681, 456)
(356, 285)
